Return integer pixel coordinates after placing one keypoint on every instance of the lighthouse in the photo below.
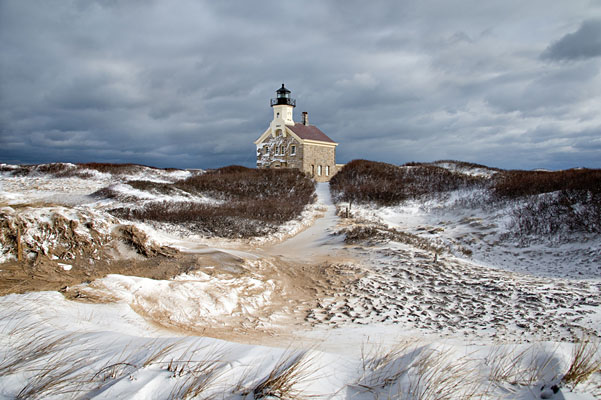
(289, 144)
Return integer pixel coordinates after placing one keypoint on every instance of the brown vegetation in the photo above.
(542, 203)
(514, 184)
(82, 170)
(552, 202)
(386, 184)
(255, 202)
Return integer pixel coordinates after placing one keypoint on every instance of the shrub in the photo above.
(552, 202)
(387, 184)
(513, 184)
(255, 203)
(151, 186)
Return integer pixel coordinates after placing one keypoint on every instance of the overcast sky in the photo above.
(186, 83)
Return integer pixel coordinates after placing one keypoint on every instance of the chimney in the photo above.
(305, 118)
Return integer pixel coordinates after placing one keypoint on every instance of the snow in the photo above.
(396, 310)
(65, 267)
(188, 300)
(481, 231)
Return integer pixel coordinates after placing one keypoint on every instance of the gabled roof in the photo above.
(309, 132)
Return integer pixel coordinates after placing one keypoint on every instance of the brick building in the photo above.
(289, 144)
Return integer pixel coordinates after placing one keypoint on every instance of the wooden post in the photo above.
(19, 247)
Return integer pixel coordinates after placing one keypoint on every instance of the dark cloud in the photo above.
(187, 83)
(582, 44)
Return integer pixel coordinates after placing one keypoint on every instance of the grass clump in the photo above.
(586, 360)
(285, 377)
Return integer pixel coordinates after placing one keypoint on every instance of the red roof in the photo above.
(309, 132)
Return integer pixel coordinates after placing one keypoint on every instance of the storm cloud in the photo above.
(584, 43)
(185, 83)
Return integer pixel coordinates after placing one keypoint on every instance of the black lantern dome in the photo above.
(283, 97)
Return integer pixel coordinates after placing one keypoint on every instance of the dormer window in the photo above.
(292, 150)
(282, 151)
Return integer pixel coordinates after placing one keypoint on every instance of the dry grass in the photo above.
(282, 382)
(529, 367)
(379, 233)
(37, 344)
(586, 360)
(409, 371)
(383, 367)
(522, 368)
(60, 376)
(440, 375)
(200, 377)
(158, 354)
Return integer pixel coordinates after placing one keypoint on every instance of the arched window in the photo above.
(319, 170)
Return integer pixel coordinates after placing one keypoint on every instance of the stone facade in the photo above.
(280, 152)
(319, 161)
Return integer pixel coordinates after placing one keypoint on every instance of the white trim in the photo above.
(320, 143)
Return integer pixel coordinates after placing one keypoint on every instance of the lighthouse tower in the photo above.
(282, 105)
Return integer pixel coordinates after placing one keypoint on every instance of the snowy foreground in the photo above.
(300, 315)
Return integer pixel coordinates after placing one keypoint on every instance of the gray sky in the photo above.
(170, 83)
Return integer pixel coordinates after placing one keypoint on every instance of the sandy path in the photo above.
(317, 241)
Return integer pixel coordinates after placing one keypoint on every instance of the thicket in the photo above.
(62, 170)
(384, 184)
(540, 203)
(514, 184)
(552, 202)
(255, 201)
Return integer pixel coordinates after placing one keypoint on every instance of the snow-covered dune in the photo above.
(425, 299)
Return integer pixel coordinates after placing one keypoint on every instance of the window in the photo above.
(327, 170)
(282, 150)
(319, 170)
(266, 150)
(293, 150)
(278, 115)
(312, 170)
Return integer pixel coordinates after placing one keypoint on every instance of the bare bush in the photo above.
(255, 202)
(384, 184)
(561, 212)
(151, 186)
(552, 202)
(514, 184)
(382, 234)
